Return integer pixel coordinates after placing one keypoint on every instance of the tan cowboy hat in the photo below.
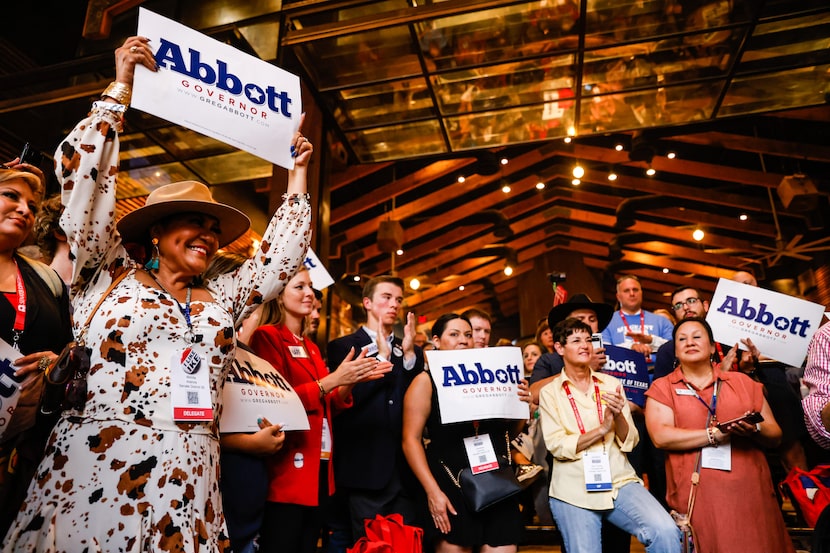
(182, 197)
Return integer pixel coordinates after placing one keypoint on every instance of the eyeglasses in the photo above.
(688, 301)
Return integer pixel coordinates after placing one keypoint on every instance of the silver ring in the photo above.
(133, 49)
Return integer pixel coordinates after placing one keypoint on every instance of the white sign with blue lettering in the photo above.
(476, 384)
(630, 368)
(781, 326)
(320, 277)
(9, 386)
(256, 390)
(217, 90)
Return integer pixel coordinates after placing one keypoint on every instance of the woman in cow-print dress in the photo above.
(121, 474)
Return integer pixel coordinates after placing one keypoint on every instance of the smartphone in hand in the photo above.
(752, 418)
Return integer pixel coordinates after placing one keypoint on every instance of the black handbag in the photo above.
(65, 382)
(486, 488)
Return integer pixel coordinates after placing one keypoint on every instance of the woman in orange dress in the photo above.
(735, 506)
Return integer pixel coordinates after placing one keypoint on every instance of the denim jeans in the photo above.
(635, 511)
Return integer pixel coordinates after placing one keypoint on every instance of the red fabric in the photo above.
(363, 545)
(810, 490)
(560, 295)
(294, 470)
(389, 533)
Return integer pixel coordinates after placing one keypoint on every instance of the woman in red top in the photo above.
(687, 415)
(300, 475)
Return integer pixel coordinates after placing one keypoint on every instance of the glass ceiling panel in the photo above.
(316, 18)
(489, 36)
(776, 91)
(141, 181)
(656, 62)
(398, 141)
(485, 88)
(612, 21)
(655, 107)
(382, 104)
(522, 72)
(373, 56)
(234, 167)
(186, 144)
(512, 126)
(777, 43)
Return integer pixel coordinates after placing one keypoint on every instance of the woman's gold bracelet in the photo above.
(120, 92)
(322, 390)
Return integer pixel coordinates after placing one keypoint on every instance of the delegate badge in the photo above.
(481, 454)
(190, 388)
(597, 471)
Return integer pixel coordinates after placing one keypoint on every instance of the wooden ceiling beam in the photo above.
(766, 146)
(387, 192)
(354, 173)
(429, 202)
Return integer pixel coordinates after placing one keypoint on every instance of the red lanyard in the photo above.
(721, 356)
(642, 327)
(20, 311)
(642, 322)
(576, 411)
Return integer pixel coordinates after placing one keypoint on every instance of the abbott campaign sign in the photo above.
(781, 326)
(630, 368)
(254, 390)
(216, 90)
(476, 384)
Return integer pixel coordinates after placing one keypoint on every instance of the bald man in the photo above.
(745, 277)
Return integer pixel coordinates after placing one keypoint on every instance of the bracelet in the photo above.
(120, 92)
(322, 390)
(710, 434)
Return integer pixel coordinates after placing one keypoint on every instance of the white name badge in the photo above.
(397, 352)
(481, 454)
(718, 458)
(597, 471)
(190, 388)
(298, 352)
(684, 392)
(371, 349)
(325, 444)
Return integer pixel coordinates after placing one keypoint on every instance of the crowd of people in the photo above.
(134, 458)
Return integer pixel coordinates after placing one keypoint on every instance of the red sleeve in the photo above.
(266, 342)
(661, 391)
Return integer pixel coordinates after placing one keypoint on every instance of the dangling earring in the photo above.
(153, 263)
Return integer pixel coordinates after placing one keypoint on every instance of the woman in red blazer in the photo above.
(300, 474)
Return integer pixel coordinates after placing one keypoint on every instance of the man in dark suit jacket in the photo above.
(369, 466)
